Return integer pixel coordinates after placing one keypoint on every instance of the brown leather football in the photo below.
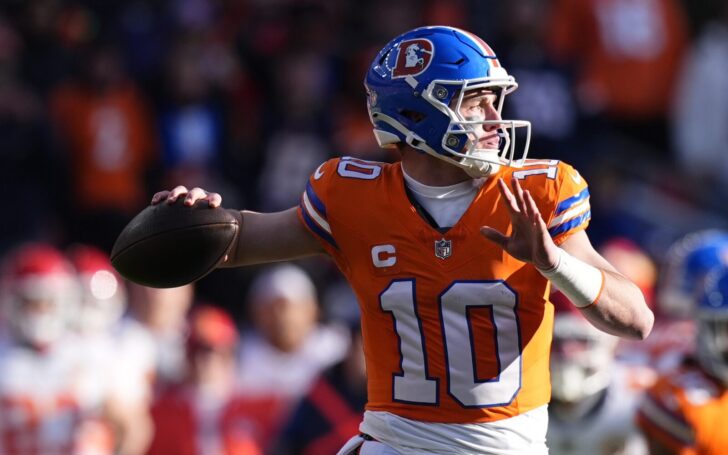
(170, 245)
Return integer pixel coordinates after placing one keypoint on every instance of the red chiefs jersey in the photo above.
(237, 425)
(41, 406)
(455, 330)
(685, 412)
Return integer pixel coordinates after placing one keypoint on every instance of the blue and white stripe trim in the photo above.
(566, 204)
(318, 205)
(314, 214)
(571, 213)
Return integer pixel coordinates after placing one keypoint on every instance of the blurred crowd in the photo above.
(103, 103)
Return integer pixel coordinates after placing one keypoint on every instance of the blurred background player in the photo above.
(686, 265)
(103, 124)
(44, 407)
(593, 398)
(287, 347)
(634, 262)
(161, 314)
(331, 410)
(117, 357)
(201, 414)
(684, 412)
(681, 279)
(103, 297)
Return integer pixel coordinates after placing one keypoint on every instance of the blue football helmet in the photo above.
(415, 88)
(686, 264)
(712, 324)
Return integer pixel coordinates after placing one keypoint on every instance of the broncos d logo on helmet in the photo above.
(414, 56)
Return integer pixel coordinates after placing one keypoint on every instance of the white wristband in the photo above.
(577, 280)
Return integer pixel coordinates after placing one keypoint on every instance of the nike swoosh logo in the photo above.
(318, 174)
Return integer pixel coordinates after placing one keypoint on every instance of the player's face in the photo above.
(286, 323)
(571, 348)
(581, 359)
(211, 363)
(40, 321)
(479, 105)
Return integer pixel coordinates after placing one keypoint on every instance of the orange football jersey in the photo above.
(685, 412)
(455, 330)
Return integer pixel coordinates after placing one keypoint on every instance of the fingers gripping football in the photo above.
(190, 196)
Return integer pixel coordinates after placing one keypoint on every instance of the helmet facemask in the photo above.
(460, 141)
(713, 345)
(40, 308)
(581, 359)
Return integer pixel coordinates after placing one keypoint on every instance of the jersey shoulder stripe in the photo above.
(577, 199)
(576, 210)
(315, 200)
(313, 212)
(570, 224)
(571, 210)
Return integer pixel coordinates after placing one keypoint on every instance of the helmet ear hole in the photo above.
(413, 116)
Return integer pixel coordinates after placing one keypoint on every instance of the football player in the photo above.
(203, 413)
(684, 411)
(117, 358)
(43, 407)
(687, 262)
(592, 395)
(450, 253)
(286, 348)
(103, 296)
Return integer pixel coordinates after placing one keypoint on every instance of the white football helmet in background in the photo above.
(103, 297)
(581, 356)
(39, 292)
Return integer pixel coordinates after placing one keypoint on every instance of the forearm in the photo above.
(609, 300)
(270, 237)
(620, 309)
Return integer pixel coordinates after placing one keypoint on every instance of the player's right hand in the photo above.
(190, 196)
(530, 240)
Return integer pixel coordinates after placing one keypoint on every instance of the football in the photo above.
(170, 245)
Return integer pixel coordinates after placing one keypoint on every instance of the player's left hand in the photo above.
(530, 240)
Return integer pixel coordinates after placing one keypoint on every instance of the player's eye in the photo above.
(489, 100)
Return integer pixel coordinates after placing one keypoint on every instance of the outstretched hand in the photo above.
(190, 196)
(530, 240)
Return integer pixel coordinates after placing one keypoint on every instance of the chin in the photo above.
(480, 169)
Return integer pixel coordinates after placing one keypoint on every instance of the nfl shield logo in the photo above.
(443, 248)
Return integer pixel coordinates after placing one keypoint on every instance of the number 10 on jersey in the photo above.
(414, 385)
